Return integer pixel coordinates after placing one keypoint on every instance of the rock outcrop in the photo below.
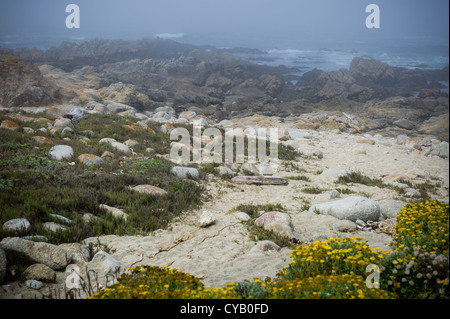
(22, 84)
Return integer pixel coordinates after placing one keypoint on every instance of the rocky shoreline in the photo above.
(388, 124)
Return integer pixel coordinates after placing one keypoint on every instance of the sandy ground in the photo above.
(224, 252)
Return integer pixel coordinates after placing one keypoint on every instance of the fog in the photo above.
(252, 23)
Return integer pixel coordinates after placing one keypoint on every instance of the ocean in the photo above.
(301, 51)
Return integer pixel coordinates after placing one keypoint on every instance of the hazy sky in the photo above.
(271, 18)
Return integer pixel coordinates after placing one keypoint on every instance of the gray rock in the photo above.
(76, 253)
(344, 226)
(350, 208)
(311, 152)
(34, 284)
(242, 216)
(17, 225)
(105, 262)
(441, 149)
(54, 227)
(61, 152)
(404, 123)
(107, 140)
(206, 219)
(390, 208)
(61, 218)
(149, 189)
(116, 212)
(225, 171)
(75, 115)
(121, 147)
(332, 194)
(264, 246)
(39, 272)
(185, 172)
(37, 252)
(91, 160)
(62, 123)
(117, 145)
(277, 222)
(3, 264)
(411, 192)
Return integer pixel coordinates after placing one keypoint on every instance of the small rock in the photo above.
(131, 143)
(149, 189)
(91, 160)
(411, 192)
(28, 130)
(277, 222)
(206, 219)
(62, 123)
(404, 123)
(17, 225)
(9, 125)
(34, 284)
(344, 226)
(54, 227)
(225, 171)
(107, 263)
(42, 140)
(107, 154)
(185, 172)
(366, 141)
(61, 152)
(121, 147)
(116, 212)
(264, 246)
(390, 208)
(361, 223)
(242, 216)
(75, 115)
(76, 253)
(61, 218)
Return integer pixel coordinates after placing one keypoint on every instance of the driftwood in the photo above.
(260, 180)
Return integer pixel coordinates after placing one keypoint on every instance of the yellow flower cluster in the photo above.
(336, 268)
(332, 257)
(424, 224)
(152, 282)
(327, 287)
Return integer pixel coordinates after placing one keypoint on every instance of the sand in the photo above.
(224, 252)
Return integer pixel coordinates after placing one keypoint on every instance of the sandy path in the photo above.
(224, 253)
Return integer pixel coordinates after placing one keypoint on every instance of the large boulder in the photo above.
(350, 208)
(37, 252)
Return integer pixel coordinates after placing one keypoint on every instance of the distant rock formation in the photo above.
(368, 79)
(21, 84)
